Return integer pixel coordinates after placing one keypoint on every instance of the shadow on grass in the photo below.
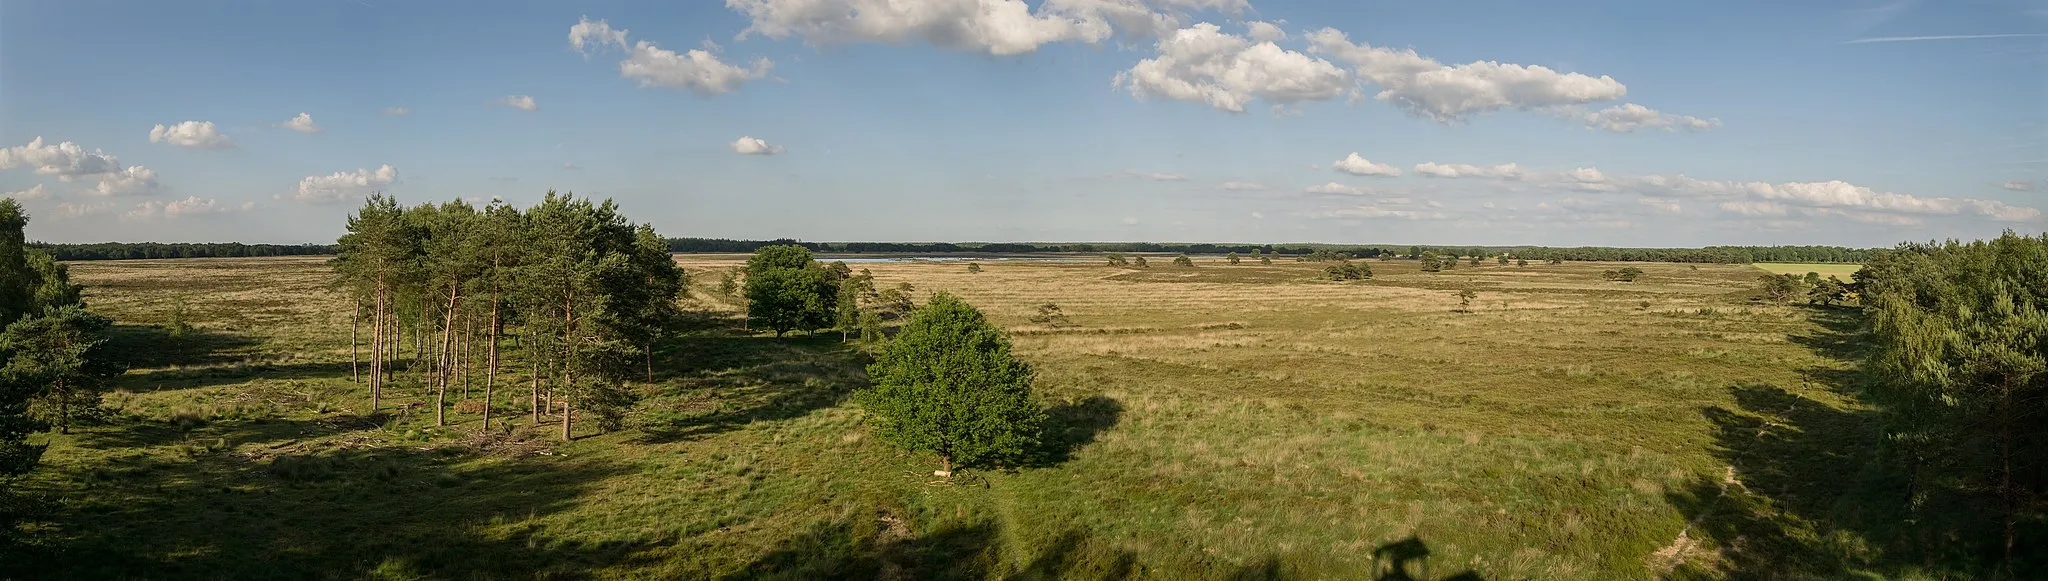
(342, 513)
(886, 549)
(144, 346)
(228, 374)
(1816, 490)
(721, 382)
(1071, 425)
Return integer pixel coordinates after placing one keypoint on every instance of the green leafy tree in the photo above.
(1433, 263)
(1183, 261)
(1415, 253)
(1268, 259)
(1050, 314)
(974, 268)
(1522, 262)
(1781, 287)
(1347, 271)
(1475, 260)
(848, 310)
(729, 284)
(62, 351)
(789, 299)
(1140, 262)
(1465, 297)
(1828, 292)
(1232, 257)
(948, 384)
(1118, 260)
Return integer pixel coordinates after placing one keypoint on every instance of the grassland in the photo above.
(1835, 269)
(1215, 422)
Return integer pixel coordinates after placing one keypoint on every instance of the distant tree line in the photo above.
(139, 250)
(1313, 252)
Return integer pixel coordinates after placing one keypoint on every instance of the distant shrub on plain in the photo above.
(1183, 261)
(1347, 271)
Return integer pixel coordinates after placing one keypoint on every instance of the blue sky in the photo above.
(1610, 123)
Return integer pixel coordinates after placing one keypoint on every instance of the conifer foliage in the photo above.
(587, 294)
(948, 384)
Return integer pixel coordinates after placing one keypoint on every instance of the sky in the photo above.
(1861, 123)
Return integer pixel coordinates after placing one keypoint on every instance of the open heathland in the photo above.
(1213, 421)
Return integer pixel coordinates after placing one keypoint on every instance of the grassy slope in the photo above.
(1218, 421)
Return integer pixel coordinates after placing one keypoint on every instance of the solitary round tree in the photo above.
(947, 384)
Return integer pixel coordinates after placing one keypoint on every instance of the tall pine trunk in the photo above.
(491, 364)
(355, 322)
(447, 363)
(377, 332)
(568, 359)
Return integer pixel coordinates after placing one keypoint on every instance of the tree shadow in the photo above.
(731, 381)
(144, 346)
(1073, 424)
(335, 513)
(1408, 560)
(1817, 490)
(879, 550)
(218, 374)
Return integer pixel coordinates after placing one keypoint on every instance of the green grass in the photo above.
(1837, 269)
(1208, 422)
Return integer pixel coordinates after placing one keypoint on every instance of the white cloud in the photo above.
(571, 166)
(65, 160)
(1241, 186)
(697, 70)
(1446, 94)
(35, 192)
(2018, 186)
(1261, 31)
(1154, 176)
(302, 124)
(1359, 166)
(997, 27)
(1629, 117)
(1227, 71)
(396, 111)
(71, 210)
(1506, 171)
(1337, 189)
(193, 134)
(345, 186)
(586, 32)
(1375, 212)
(1754, 208)
(754, 146)
(1129, 221)
(1258, 216)
(1662, 205)
(131, 180)
(520, 102)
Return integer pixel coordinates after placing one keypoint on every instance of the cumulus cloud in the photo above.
(193, 134)
(131, 180)
(754, 146)
(1226, 71)
(1241, 186)
(72, 210)
(1359, 166)
(1662, 206)
(1376, 212)
(302, 124)
(1754, 208)
(2018, 186)
(345, 186)
(1427, 88)
(1129, 221)
(1630, 117)
(1335, 188)
(698, 71)
(190, 206)
(1506, 171)
(520, 102)
(1261, 31)
(35, 192)
(396, 111)
(1154, 176)
(65, 160)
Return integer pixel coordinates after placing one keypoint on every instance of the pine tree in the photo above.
(61, 351)
(948, 384)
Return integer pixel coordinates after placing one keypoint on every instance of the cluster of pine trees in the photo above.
(568, 291)
(53, 360)
(1960, 332)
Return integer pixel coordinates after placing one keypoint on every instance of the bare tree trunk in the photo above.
(650, 361)
(531, 354)
(355, 322)
(377, 350)
(568, 359)
(447, 356)
(468, 352)
(491, 361)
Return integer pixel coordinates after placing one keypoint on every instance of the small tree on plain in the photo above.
(948, 384)
(1118, 260)
(1232, 258)
(1465, 297)
(1266, 259)
(1051, 315)
(974, 267)
(1557, 261)
(1183, 261)
(1522, 262)
(1475, 261)
(1432, 263)
(1140, 263)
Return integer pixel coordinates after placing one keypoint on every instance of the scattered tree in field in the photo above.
(1828, 292)
(947, 384)
(790, 299)
(1050, 315)
(729, 284)
(1232, 257)
(1183, 261)
(1118, 260)
(1557, 261)
(1475, 260)
(1960, 336)
(973, 268)
(1629, 274)
(1140, 262)
(1521, 262)
(1781, 287)
(1268, 259)
(871, 328)
(854, 293)
(1465, 297)
(1256, 253)
(897, 299)
(1347, 271)
(588, 292)
(1415, 253)
(1503, 260)
(1448, 262)
(1433, 263)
